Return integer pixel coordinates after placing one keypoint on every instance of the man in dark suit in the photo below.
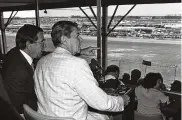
(17, 68)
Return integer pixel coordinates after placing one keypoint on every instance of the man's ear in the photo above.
(63, 39)
(28, 44)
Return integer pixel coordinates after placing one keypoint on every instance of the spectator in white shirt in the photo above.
(111, 77)
(65, 85)
(149, 96)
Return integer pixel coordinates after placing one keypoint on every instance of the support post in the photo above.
(99, 31)
(145, 69)
(175, 70)
(3, 36)
(104, 36)
(37, 13)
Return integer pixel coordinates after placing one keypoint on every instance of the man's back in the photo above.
(65, 86)
(111, 83)
(56, 90)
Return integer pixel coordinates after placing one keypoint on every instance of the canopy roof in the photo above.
(12, 5)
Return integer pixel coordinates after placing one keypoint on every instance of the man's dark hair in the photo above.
(61, 28)
(26, 33)
(150, 80)
(176, 86)
(126, 76)
(135, 74)
(160, 77)
(112, 68)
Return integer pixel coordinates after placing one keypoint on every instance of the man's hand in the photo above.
(89, 51)
(126, 99)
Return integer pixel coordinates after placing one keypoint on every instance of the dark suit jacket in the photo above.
(18, 79)
(111, 83)
(8, 112)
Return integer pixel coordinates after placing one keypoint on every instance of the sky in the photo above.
(139, 10)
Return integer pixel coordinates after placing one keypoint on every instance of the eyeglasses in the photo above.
(42, 42)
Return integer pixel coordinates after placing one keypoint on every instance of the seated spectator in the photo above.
(173, 109)
(111, 77)
(135, 75)
(148, 96)
(140, 81)
(176, 86)
(162, 85)
(126, 78)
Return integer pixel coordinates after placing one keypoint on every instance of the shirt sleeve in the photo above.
(87, 88)
(163, 98)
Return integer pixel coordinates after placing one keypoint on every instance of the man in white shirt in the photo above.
(17, 67)
(111, 80)
(64, 84)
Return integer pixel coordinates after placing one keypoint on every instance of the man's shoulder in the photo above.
(13, 56)
(13, 52)
(70, 59)
(78, 60)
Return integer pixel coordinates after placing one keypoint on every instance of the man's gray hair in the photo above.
(61, 28)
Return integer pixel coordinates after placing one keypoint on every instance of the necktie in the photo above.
(32, 65)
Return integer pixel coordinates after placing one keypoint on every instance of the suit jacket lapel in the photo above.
(25, 63)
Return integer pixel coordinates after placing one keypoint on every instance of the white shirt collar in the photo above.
(107, 77)
(63, 50)
(27, 57)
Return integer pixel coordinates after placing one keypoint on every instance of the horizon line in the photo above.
(93, 16)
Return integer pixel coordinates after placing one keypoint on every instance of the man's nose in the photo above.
(44, 46)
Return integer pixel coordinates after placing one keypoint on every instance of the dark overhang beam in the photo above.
(37, 13)
(81, 3)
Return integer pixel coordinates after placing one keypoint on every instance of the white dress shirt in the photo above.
(65, 86)
(27, 57)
